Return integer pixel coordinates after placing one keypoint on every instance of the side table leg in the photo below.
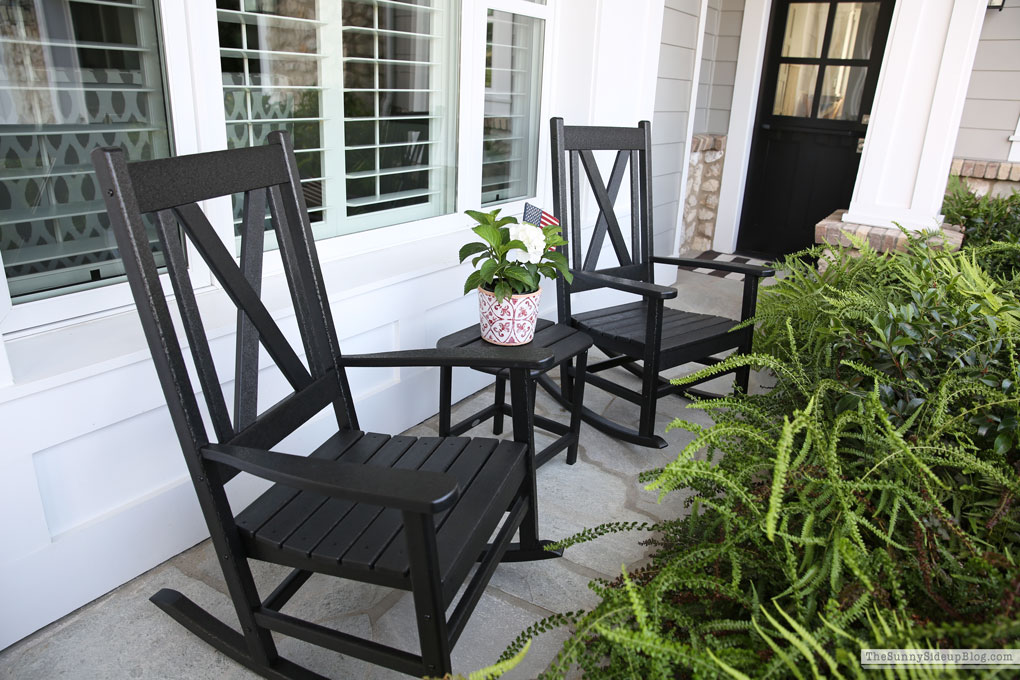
(445, 399)
(497, 417)
(577, 399)
(566, 378)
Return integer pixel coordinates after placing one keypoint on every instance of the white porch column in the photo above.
(916, 115)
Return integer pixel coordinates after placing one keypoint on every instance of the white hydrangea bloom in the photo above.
(532, 237)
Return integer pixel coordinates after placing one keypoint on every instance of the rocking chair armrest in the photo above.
(420, 491)
(738, 267)
(525, 357)
(643, 288)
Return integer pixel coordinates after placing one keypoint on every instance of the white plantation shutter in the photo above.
(398, 105)
(513, 81)
(74, 75)
(364, 88)
(273, 64)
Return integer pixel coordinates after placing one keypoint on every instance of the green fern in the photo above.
(870, 499)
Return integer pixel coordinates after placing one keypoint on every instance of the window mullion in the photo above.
(377, 102)
(334, 133)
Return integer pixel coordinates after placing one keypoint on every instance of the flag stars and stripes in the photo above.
(538, 217)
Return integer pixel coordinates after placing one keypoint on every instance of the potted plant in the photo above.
(509, 261)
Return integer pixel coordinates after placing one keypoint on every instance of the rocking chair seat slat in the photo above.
(326, 514)
(309, 530)
(345, 535)
(456, 457)
(284, 522)
(331, 449)
(622, 329)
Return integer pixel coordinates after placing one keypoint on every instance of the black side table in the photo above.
(566, 343)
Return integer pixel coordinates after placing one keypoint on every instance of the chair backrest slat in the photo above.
(170, 182)
(575, 209)
(605, 199)
(302, 265)
(222, 265)
(246, 356)
(177, 268)
(640, 253)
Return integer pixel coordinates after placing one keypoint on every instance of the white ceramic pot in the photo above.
(510, 322)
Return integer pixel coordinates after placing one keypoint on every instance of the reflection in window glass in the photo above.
(853, 30)
(270, 58)
(805, 29)
(842, 87)
(363, 88)
(76, 76)
(795, 90)
(513, 79)
(397, 93)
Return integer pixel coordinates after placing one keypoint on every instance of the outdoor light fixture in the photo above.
(996, 4)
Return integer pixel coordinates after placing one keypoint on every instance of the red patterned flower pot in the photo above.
(510, 322)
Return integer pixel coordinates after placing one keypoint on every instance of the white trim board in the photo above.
(743, 110)
(685, 170)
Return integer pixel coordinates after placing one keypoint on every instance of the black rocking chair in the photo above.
(645, 331)
(410, 513)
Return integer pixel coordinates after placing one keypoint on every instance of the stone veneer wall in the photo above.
(988, 177)
(703, 181)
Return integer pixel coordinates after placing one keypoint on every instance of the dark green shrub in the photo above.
(985, 220)
(869, 500)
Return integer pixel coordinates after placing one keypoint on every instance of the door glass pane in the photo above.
(842, 87)
(805, 29)
(853, 30)
(795, 90)
(73, 77)
(513, 79)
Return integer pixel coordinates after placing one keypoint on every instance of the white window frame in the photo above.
(198, 124)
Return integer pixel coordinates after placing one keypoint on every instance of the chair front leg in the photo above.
(500, 403)
(577, 400)
(650, 370)
(749, 304)
(445, 399)
(430, 614)
(236, 572)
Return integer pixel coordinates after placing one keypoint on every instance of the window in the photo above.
(364, 88)
(376, 94)
(513, 81)
(830, 87)
(74, 75)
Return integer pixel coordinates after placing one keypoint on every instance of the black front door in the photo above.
(818, 84)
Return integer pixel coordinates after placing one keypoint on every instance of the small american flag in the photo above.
(539, 217)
